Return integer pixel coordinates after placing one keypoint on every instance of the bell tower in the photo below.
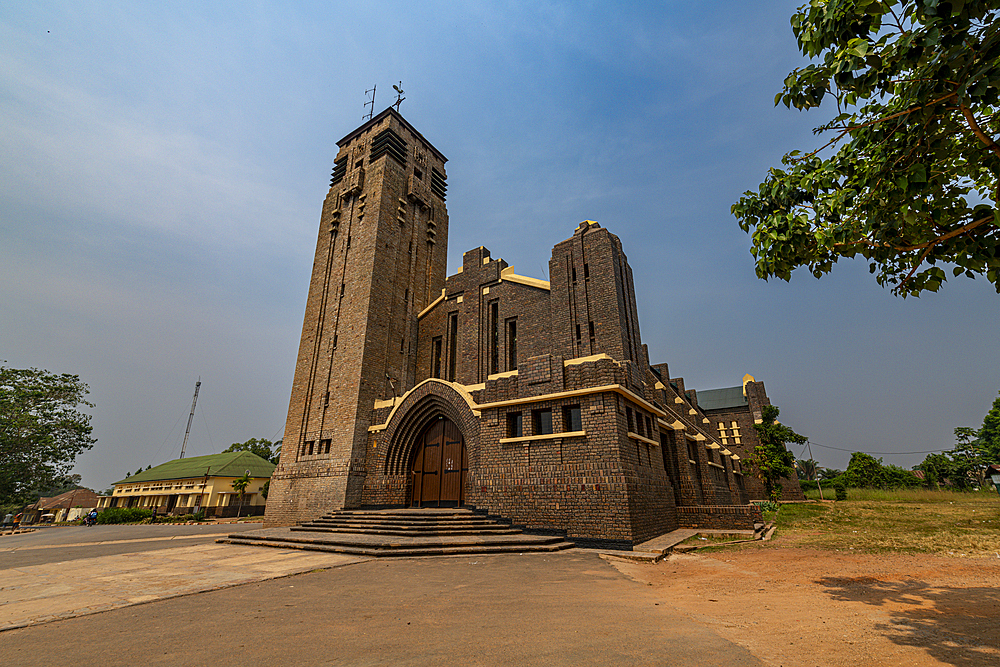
(381, 258)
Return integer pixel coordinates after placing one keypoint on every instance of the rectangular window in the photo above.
(628, 418)
(309, 447)
(324, 446)
(571, 418)
(436, 357)
(692, 451)
(514, 425)
(495, 337)
(586, 271)
(452, 346)
(577, 333)
(512, 344)
(541, 421)
(649, 427)
(574, 274)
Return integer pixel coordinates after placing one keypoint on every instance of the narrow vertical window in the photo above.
(628, 418)
(574, 274)
(512, 344)
(436, 357)
(495, 337)
(514, 425)
(452, 346)
(541, 422)
(586, 271)
(571, 418)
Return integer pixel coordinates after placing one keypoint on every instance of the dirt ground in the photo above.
(792, 605)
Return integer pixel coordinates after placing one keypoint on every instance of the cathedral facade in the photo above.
(526, 399)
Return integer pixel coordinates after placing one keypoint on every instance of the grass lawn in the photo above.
(911, 520)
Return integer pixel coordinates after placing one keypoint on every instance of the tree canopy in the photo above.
(259, 446)
(41, 430)
(770, 461)
(908, 175)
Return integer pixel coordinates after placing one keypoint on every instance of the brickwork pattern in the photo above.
(390, 344)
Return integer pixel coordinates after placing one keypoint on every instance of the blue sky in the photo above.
(162, 169)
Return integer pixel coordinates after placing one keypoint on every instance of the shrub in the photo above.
(808, 485)
(123, 515)
(841, 492)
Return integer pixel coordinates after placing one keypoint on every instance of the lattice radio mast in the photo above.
(370, 103)
(194, 402)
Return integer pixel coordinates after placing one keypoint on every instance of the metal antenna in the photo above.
(399, 95)
(194, 402)
(370, 103)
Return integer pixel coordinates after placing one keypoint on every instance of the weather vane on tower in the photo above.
(399, 95)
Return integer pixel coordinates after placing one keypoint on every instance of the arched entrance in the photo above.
(439, 466)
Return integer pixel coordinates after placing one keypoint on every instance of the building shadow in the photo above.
(957, 626)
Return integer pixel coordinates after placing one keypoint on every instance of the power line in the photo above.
(839, 449)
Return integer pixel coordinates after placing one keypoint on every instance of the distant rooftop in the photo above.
(227, 464)
(719, 399)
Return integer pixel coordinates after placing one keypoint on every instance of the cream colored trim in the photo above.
(616, 388)
(699, 437)
(505, 374)
(547, 436)
(475, 387)
(689, 436)
(727, 452)
(636, 436)
(735, 457)
(461, 298)
(705, 421)
(659, 385)
(694, 463)
(712, 463)
(676, 425)
(712, 445)
(462, 390)
(584, 360)
(692, 411)
(758, 421)
(388, 403)
(486, 290)
(431, 305)
(678, 399)
(509, 275)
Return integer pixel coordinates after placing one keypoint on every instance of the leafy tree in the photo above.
(988, 435)
(830, 473)
(259, 446)
(908, 177)
(770, 461)
(937, 468)
(240, 487)
(265, 489)
(41, 430)
(864, 471)
(807, 469)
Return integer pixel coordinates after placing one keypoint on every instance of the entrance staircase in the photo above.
(402, 532)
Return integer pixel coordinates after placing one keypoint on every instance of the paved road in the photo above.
(67, 543)
(568, 608)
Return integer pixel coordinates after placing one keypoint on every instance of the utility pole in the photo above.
(194, 402)
(818, 485)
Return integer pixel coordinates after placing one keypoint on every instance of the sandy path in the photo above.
(797, 606)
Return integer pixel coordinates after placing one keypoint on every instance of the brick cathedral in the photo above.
(526, 399)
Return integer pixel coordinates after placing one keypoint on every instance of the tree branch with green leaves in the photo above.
(910, 178)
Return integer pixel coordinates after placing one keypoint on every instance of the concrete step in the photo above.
(375, 547)
(404, 531)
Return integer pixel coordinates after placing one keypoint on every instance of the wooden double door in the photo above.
(439, 466)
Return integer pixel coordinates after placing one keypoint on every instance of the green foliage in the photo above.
(989, 433)
(806, 469)
(123, 515)
(909, 175)
(265, 489)
(41, 430)
(240, 486)
(839, 490)
(259, 446)
(829, 473)
(770, 461)
(866, 471)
